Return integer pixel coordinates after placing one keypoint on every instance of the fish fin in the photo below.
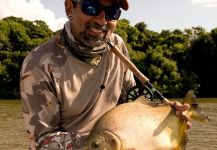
(190, 97)
(194, 111)
(198, 115)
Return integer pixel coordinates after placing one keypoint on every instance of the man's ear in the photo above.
(69, 8)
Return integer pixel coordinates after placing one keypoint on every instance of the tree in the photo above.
(174, 61)
(4, 36)
(203, 54)
(17, 38)
(162, 71)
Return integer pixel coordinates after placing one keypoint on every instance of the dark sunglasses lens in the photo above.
(112, 13)
(93, 9)
(90, 8)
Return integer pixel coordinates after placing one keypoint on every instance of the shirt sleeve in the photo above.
(40, 106)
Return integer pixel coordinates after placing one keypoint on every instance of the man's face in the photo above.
(91, 30)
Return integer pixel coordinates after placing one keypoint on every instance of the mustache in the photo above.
(97, 26)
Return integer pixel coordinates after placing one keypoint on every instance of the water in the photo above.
(202, 136)
(12, 131)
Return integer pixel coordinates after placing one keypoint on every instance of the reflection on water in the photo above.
(203, 136)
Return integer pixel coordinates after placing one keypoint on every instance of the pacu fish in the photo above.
(142, 125)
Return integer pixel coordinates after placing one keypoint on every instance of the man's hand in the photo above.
(181, 112)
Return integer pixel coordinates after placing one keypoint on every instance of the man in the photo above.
(68, 82)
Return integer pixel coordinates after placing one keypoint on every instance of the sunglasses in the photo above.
(94, 8)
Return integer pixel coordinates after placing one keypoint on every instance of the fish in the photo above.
(143, 125)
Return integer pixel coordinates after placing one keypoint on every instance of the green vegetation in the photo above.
(17, 38)
(174, 61)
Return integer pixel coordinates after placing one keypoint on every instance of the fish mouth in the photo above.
(104, 140)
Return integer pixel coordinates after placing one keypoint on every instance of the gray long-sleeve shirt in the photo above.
(62, 93)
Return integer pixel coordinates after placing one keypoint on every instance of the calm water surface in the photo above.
(202, 136)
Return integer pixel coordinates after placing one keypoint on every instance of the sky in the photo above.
(156, 14)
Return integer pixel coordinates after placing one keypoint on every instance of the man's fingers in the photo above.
(181, 107)
(185, 117)
(181, 112)
(182, 115)
(189, 125)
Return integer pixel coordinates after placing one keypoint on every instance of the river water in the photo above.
(203, 136)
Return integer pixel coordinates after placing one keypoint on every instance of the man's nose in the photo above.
(101, 18)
